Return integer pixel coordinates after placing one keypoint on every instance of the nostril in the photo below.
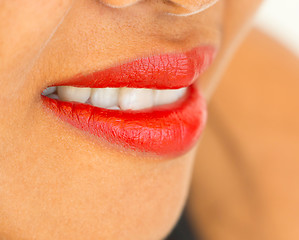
(119, 3)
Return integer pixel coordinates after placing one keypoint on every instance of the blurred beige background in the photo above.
(280, 18)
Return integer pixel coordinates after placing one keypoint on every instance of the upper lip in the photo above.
(164, 71)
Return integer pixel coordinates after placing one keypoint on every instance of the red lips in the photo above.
(168, 130)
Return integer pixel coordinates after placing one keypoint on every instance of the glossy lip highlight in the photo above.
(167, 130)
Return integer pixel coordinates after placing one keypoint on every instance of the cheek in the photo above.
(237, 14)
(25, 27)
(236, 19)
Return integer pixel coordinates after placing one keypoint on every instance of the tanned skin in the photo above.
(246, 174)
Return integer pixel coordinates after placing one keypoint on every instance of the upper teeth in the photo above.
(116, 98)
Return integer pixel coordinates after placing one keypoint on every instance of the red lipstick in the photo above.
(165, 71)
(167, 130)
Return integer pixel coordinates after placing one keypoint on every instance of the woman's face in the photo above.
(58, 181)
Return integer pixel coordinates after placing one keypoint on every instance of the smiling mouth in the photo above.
(149, 105)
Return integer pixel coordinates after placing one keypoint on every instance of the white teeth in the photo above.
(49, 91)
(104, 97)
(168, 95)
(116, 98)
(67, 93)
(136, 98)
(53, 96)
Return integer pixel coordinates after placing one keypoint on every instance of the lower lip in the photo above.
(167, 131)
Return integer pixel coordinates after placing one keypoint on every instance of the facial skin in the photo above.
(57, 182)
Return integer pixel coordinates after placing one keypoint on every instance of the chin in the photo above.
(111, 196)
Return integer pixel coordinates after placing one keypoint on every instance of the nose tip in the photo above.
(189, 7)
(119, 3)
(174, 7)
